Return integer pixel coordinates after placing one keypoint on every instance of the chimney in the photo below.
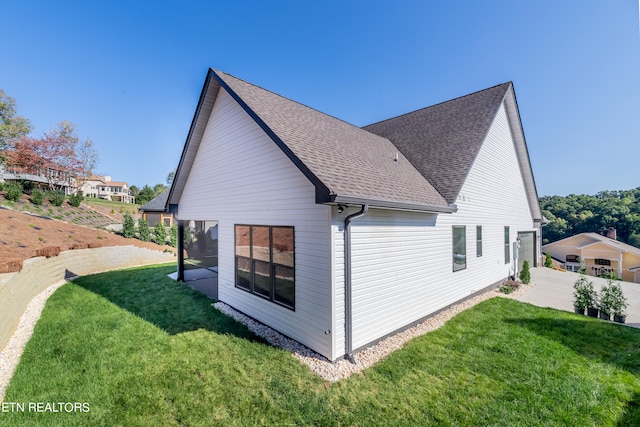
(611, 233)
(107, 178)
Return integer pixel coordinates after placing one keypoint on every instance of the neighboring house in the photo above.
(337, 236)
(154, 211)
(60, 179)
(600, 255)
(103, 188)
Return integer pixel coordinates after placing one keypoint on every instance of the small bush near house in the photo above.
(128, 226)
(56, 197)
(37, 196)
(144, 233)
(548, 262)
(14, 191)
(76, 199)
(173, 231)
(525, 274)
(508, 286)
(160, 233)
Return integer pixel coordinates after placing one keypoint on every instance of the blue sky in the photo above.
(129, 73)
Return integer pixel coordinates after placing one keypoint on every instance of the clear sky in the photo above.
(129, 73)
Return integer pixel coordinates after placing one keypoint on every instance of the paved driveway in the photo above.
(554, 289)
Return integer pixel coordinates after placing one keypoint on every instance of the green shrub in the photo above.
(508, 286)
(37, 196)
(173, 232)
(28, 186)
(584, 296)
(76, 199)
(128, 226)
(144, 233)
(525, 274)
(56, 198)
(14, 191)
(548, 262)
(160, 233)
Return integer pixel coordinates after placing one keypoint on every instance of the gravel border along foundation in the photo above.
(369, 356)
(11, 353)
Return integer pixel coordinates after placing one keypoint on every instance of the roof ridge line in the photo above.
(510, 82)
(298, 102)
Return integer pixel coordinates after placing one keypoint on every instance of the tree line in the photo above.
(574, 214)
(145, 194)
(59, 155)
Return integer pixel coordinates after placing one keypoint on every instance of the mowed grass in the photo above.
(143, 350)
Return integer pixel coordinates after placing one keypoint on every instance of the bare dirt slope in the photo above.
(21, 234)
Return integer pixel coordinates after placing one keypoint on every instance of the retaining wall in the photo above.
(37, 274)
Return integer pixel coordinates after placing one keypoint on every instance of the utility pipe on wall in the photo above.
(347, 282)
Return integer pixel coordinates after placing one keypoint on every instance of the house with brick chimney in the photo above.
(601, 254)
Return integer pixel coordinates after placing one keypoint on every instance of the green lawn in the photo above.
(141, 349)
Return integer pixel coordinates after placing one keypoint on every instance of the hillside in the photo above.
(22, 233)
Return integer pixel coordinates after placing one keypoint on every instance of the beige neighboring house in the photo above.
(103, 188)
(600, 254)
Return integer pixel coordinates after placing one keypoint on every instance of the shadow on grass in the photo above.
(148, 293)
(604, 342)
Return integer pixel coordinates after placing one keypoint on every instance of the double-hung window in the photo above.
(507, 252)
(265, 262)
(478, 240)
(459, 247)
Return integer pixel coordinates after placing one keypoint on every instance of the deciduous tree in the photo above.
(12, 126)
(59, 156)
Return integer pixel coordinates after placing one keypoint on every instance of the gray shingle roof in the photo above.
(443, 140)
(157, 204)
(435, 147)
(348, 161)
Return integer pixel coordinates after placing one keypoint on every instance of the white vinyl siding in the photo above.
(240, 176)
(402, 260)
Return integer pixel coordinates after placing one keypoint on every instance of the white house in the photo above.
(104, 188)
(338, 236)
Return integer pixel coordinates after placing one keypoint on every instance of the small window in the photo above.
(459, 247)
(507, 252)
(167, 221)
(601, 261)
(265, 264)
(572, 258)
(478, 240)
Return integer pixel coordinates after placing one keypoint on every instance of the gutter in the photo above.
(394, 205)
(348, 329)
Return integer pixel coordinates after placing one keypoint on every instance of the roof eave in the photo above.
(322, 190)
(393, 205)
(177, 186)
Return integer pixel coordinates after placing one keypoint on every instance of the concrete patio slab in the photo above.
(203, 280)
(554, 289)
